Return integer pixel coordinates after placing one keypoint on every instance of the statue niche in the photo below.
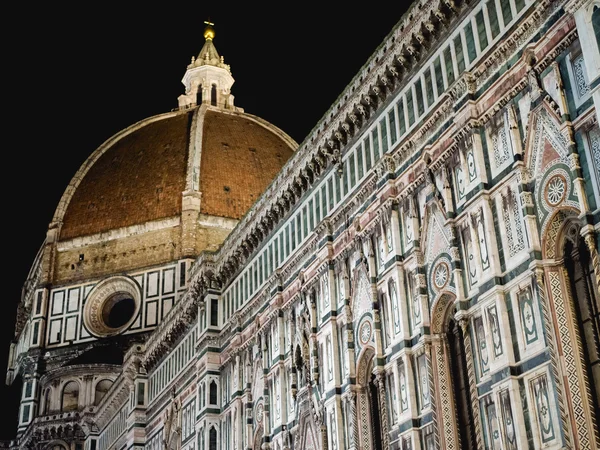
(172, 424)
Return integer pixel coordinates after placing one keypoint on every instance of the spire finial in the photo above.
(209, 32)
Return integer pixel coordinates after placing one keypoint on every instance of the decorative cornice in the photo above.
(401, 52)
(573, 5)
(323, 149)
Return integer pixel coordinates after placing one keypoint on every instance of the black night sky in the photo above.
(78, 75)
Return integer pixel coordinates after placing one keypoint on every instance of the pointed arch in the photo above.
(442, 311)
(361, 300)
(257, 389)
(435, 236)
(545, 143)
(553, 237)
(569, 305)
(436, 244)
(363, 364)
(452, 406)
(213, 438)
(365, 403)
(596, 23)
(307, 437)
(548, 165)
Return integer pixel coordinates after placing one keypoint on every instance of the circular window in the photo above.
(556, 190)
(259, 412)
(441, 275)
(112, 306)
(365, 332)
(118, 310)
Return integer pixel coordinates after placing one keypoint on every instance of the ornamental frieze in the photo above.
(378, 75)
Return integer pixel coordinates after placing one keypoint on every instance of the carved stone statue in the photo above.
(172, 425)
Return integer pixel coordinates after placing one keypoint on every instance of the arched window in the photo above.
(212, 438)
(70, 397)
(199, 95)
(46, 409)
(213, 95)
(213, 393)
(596, 23)
(102, 388)
(57, 447)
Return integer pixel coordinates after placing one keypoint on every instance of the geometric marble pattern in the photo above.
(570, 348)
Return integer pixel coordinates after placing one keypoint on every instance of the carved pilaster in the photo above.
(580, 390)
(248, 394)
(551, 343)
(353, 421)
(432, 395)
(314, 345)
(380, 383)
(266, 394)
(473, 397)
(590, 242)
(324, 441)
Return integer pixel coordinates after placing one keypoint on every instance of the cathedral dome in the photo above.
(168, 187)
(140, 174)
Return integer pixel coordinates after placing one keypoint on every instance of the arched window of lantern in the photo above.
(199, 95)
(213, 95)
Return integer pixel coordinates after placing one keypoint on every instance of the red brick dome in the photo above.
(140, 174)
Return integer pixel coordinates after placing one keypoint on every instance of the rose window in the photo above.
(259, 413)
(365, 332)
(556, 190)
(441, 275)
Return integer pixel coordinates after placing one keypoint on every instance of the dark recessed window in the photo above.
(214, 313)
(212, 439)
(118, 310)
(596, 24)
(199, 95)
(213, 95)
(213, 393)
